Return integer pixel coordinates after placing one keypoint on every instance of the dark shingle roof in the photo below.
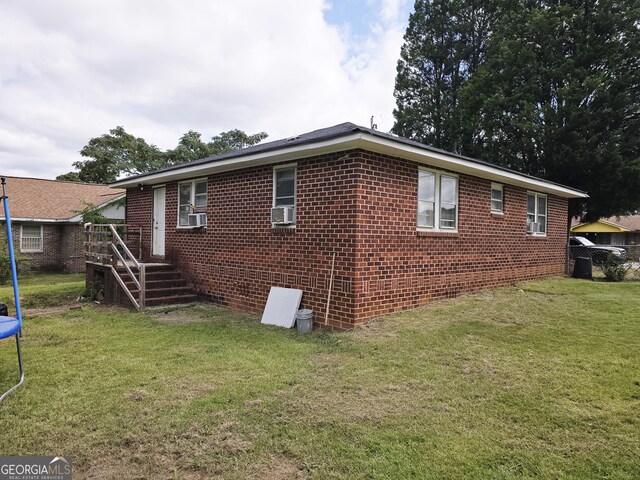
(321, 134)
(336, 131)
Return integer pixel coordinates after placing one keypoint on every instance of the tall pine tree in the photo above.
(547, 87)
(443, 46)
(557, 96)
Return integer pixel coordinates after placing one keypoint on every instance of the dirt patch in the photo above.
(136, 395)
(47, 312)
(193, 454)
(177, 317)
(278, 467)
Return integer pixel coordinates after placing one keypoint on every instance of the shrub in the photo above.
(5, 267)
(614, 268)
(22, 263)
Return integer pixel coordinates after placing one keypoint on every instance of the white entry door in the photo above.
(158, 222)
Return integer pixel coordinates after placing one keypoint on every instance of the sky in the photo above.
(71, 70)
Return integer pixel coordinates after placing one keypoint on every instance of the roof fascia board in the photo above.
(263, 158)
(592, 227)
(358, 140)
(40, 220)
(101, 206)
(110, 201)
(461, 165)
(617, 225)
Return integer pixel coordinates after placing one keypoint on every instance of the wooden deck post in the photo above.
(143, 281)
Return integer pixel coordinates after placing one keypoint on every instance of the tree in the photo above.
(191, 147)
(69, 177)
(115, 153)
(118, 152)
(93, 214)
(558, 96)
(545, 87)
(443, 46)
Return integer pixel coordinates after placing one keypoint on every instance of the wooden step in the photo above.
(167, 292)
(155, 284)
(165, 285)
(170, 300)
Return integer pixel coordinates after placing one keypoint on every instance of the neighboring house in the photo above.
(47, 227)
(406, 223)
(621, 231)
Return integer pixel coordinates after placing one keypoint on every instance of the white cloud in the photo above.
(71, 70)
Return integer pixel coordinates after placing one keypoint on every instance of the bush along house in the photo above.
(406, 223)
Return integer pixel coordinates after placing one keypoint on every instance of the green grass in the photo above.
(44, 290)
(540, 380)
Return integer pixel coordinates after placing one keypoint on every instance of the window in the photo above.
(31, 238)
(192, 198)
(283, 213)
(497, 205)
(284, 187)
(437, 201)
(536, 214)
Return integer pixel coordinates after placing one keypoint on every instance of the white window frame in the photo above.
(192, 199)
(276, 169)
(497, 187)
(536, 214)
(31, 250)
(437, 204)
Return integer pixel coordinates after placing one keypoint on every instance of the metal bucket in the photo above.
(304, 320)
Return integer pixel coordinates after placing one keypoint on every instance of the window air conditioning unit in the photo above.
(534, 227)
(197, 220)
(283, 215)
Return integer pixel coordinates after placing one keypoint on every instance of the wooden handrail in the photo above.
(115, 239)
(124, 287)
(126, 267)
(109, 238)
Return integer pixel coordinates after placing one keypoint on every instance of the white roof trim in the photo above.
(469, 167)
(38, 220)
(357, 140)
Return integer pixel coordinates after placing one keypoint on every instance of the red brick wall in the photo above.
(62, 247)
(239, 256)
(399, 267)
(72, 247)
(363, 208)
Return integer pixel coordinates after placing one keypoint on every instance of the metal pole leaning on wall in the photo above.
(326, 313)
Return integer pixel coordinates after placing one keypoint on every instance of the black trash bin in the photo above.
(583, 268)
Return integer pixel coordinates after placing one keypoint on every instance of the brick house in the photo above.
(47, 228)
(407, 223)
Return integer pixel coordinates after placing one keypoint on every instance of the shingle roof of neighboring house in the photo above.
(624, 223)
(345, 136)
(35, 198)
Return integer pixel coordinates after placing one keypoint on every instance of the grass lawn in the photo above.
(541, 380)
(44, 290)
